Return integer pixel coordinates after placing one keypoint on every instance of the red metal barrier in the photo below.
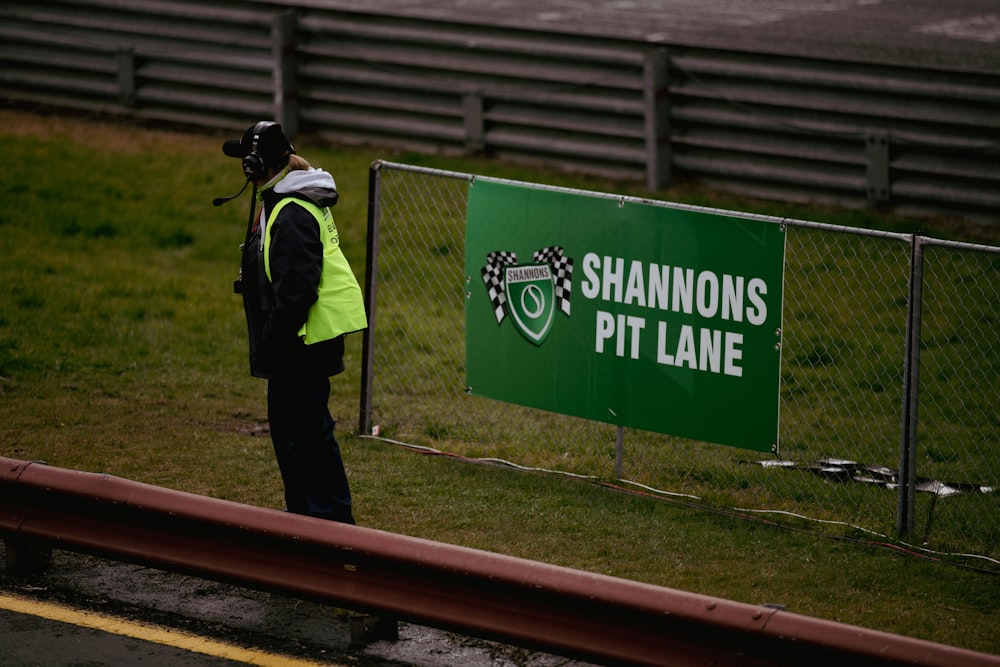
(559, 610)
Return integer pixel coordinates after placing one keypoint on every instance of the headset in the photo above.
(253, 164)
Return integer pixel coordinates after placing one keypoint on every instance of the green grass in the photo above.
(122, 350)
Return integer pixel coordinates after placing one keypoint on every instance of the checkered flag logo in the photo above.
(562, 271)
(493, 277)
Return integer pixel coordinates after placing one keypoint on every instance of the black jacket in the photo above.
(276, 310)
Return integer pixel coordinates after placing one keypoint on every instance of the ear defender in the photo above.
(253, 164)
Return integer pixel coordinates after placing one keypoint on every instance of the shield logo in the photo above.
(530, 291)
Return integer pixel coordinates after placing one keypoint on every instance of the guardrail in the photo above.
(775, 126)
(520, 602)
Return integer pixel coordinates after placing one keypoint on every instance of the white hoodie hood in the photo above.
(315, 185)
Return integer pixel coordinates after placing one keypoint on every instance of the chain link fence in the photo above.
(878, 439)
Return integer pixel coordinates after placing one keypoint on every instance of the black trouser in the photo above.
(307, 451)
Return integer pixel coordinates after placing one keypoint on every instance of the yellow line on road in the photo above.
(150, 633)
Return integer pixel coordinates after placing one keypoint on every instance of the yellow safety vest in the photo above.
(340, 306)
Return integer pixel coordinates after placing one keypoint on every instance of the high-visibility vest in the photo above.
(340, 306)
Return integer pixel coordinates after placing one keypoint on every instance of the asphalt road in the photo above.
(92, 612)
(29, 640)
(960, 34)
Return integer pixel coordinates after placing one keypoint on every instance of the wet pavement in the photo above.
(261, 622)
(958, 34)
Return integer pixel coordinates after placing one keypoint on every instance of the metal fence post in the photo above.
(371, 281)
(286, 102)
(911, 387)
(657, 122)
(877, 166)
(126, 76)
(472, 115)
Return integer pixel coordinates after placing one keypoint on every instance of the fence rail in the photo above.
(568, 612)
(890, 377)
(772, 125)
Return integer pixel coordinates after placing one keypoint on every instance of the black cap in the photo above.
(271, 143)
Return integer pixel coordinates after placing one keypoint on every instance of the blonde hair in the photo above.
(297, 163)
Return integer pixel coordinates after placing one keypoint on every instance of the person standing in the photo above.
(300, 298)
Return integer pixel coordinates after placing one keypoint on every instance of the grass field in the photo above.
(122, 350)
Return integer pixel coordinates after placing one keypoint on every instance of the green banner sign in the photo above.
(625, 312)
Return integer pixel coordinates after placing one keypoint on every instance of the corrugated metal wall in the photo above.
(207, 64)
(773, 126)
